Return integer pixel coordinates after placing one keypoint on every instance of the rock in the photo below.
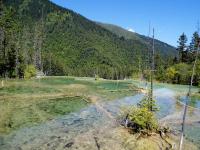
(53, 137)
(66, 131)
(68, 145)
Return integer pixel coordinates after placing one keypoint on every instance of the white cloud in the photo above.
(130, 29)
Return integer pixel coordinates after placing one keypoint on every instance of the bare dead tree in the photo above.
(2, 41)
(50, 68)
(188, 98)
(148, 62)
(17, 54)
(152, 74)
(38, 43)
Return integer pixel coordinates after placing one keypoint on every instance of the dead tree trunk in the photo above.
(188, 99)
(152, 76)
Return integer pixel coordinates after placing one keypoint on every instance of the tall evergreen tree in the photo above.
(21, 66)
(194, 43)
(182, 48)
(11, 61)
(2, 40)
(8, 48)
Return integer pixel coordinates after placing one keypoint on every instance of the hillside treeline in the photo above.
(41, 36)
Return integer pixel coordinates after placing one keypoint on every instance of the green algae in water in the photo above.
(62, 106)
(114, 85)
(39, 111)
(193, 133)
(194, 101)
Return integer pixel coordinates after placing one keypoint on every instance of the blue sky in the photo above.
(170, 18)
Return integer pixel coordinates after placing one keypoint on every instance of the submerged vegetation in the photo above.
(20, 113)
(27, 102)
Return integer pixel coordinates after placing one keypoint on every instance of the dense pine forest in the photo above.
(37, 35)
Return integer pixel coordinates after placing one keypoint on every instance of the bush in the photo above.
(197, 74)
(179, 73)
(184, 73)
(143, 119)
(29, 72)
(171, 73)
(149, 104)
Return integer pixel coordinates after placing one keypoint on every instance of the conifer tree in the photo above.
(11, 61)
(182, 47)
(194, 43)
(2, 41)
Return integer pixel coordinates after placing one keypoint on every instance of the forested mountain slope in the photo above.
(62, 42)
(161, 47)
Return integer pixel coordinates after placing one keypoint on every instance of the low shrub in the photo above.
(141, 120)
(29, 72)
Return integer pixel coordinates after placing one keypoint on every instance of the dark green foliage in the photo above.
(59, 41)
(11, 62)
(160, 47)
(194, 42)
(142, 120)
(160, 66)
(180, 72)
(21, 66)
(148, 104)
(143, 56)
(182, 48)
(197, 74)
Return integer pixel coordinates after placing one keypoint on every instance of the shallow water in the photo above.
(64, 130)
(68, 126)
(194, 101)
